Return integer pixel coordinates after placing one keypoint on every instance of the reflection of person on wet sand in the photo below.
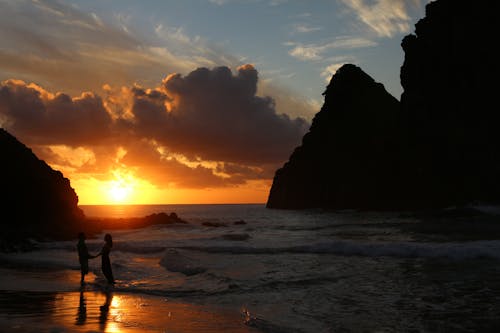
(103, 317)
(106, 263)
(82, 310)
(83, 257)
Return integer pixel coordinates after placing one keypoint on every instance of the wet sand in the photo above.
(47, 300)
(110, 311)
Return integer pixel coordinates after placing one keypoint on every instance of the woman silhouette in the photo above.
(105, 262)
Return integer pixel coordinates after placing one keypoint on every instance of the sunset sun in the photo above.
(121, 188)
(119, 192)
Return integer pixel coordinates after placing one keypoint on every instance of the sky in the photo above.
(193, 101)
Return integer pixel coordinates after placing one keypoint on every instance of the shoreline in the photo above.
(111, 311)
(51, 300)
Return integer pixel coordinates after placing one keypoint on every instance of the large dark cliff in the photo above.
(439, 147)
(36, 200)
(450, 80)
(348, 159)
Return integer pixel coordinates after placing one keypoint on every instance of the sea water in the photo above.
(293, 271)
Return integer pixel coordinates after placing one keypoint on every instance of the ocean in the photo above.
(293, 271)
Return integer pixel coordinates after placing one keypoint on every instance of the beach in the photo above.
(97, 308)
(245, 268)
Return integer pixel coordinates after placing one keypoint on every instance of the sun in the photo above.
(121, 188)
(119, 192)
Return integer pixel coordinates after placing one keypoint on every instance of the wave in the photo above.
(138, 248)
(174, 261)
(465, 250)
(47, 260)
(154, 292)
(144, 247)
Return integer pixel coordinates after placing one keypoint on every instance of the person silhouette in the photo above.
(83, 257)
(105, 262)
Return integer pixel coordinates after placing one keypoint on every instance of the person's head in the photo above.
(108, 239)
(81, 236)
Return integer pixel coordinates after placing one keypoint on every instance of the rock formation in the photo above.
(450, 80)
(36, 200)
(439, 147)
(349, 157)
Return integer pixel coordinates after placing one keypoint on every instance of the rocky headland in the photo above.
(38, 202)
(438, 147)
(349, 157)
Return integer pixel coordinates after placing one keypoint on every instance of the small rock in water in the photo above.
(214, 224)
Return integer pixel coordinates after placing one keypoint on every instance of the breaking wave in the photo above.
(452, 250)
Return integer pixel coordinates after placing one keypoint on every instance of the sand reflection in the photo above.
(116, 312)
(81, 316)
(92, 311)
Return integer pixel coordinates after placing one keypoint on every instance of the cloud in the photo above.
(219, 2)
(288, 102)
(216, 115)
(63, 48)
(53, 43)
(330, 70)
(46, 118)
(385, 17)
(209, 128)
(168, 171)
(312, 52)
(305, 28)
(336, 63)
(307, 52)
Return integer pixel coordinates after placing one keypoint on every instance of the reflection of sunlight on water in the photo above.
(94, 311)
(113, 327)
(89, 310)
(116, 315)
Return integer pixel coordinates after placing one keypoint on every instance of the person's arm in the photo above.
(97, 255)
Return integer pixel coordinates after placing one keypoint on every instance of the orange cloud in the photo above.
(208, 129)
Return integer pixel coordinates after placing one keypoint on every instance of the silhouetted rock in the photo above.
(440, 147)
(214, 224)
(450, 79)
(94, 226)
(350, 156)
(36, 200)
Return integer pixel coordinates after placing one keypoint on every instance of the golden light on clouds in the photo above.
(206, 137)
(92, 191)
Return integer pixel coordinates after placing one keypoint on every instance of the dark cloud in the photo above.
(205, 129)
(43, 118)
(215, 115)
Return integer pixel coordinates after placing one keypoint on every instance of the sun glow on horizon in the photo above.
(119, 192)
(121, 189)
(93, 191)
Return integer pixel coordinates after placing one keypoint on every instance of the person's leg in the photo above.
(109, 277)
